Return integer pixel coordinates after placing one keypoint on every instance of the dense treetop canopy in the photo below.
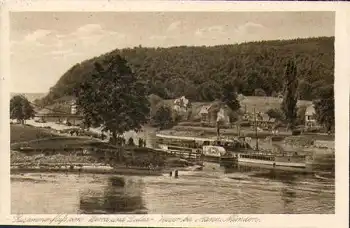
(113, 97)
(200, 73)
(20, 108)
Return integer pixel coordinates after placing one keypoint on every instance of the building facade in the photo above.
(310, 120)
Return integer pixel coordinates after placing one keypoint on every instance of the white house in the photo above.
(215, 112)
(222, 115)
(310, 119)
(181, 104)
(204, 113)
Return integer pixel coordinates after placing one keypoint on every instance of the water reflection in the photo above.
(241, 190)
(288, 196)
(120, 195)
(288, 182)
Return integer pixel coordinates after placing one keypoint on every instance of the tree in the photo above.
(163, 117)
(131, 142)
(209, 91)
(229, 96)
(275, 113)
(324, 107)
(233, 117)
(113, 97)
(301, 115)
(305, 90)
(290, 96)
(21, 109)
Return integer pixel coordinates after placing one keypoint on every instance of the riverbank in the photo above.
(23, 163)
(87, 169)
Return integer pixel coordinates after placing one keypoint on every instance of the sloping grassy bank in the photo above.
(22, 163)
(22, 133)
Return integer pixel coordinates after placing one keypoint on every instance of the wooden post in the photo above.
(176, 173)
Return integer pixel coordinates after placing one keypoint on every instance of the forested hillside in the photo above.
(199, 72)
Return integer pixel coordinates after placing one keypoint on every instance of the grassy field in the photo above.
(263, 104)
(29, 136)
(23, 133)
(56, 143)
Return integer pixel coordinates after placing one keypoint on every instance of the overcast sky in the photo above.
(44, 45)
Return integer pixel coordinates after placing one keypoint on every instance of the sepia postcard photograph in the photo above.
(173, 112)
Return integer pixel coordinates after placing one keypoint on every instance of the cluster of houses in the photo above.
(216, 111)
(209, 114)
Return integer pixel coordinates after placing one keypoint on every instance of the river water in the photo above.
(213, 190)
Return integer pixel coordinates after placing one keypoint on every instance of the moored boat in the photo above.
(205, 149)
(276, 160)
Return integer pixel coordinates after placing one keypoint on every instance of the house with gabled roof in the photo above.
(310, 119)
(214, 112)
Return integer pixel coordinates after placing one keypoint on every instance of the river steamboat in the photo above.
(207, 149)
(210, 150)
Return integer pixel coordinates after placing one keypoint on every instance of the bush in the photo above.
(314, 129)
(296, 132)
(245, 124)
(277, 138)
(176, 117)
(275, 113)
(163, 118)
(193, 124)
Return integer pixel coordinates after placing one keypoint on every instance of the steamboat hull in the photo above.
(272, 163)
(282, 166)
(213, 159)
